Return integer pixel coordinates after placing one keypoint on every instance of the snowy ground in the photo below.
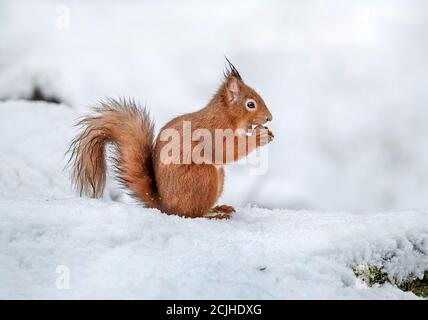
(121, 251)
(114, 249)
(346, 83)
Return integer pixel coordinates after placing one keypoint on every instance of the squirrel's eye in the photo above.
(251, 104)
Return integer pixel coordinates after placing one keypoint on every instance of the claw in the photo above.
(221, 212)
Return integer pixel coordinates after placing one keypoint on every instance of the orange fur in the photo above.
(189, 190)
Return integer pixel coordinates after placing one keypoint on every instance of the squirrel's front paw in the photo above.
(263, 135)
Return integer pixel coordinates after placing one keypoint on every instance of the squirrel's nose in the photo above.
(269, 117)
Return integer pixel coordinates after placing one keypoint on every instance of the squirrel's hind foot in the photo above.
(220, 212)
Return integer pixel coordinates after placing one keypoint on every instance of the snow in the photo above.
(346, 182)
(117, 249)
(121, 251)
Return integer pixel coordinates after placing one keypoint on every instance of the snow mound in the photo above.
(114, 249)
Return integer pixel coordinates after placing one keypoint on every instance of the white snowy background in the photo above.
(347, 181)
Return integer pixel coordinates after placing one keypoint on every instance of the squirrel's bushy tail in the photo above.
(130, 130)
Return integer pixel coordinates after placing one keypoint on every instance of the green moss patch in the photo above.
(371, 275)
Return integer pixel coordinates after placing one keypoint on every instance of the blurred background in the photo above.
(345, 81)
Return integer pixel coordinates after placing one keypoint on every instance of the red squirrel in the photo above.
(189, 189)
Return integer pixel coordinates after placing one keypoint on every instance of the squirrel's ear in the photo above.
(232, 88)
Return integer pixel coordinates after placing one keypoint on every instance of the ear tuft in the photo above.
(231, 70)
